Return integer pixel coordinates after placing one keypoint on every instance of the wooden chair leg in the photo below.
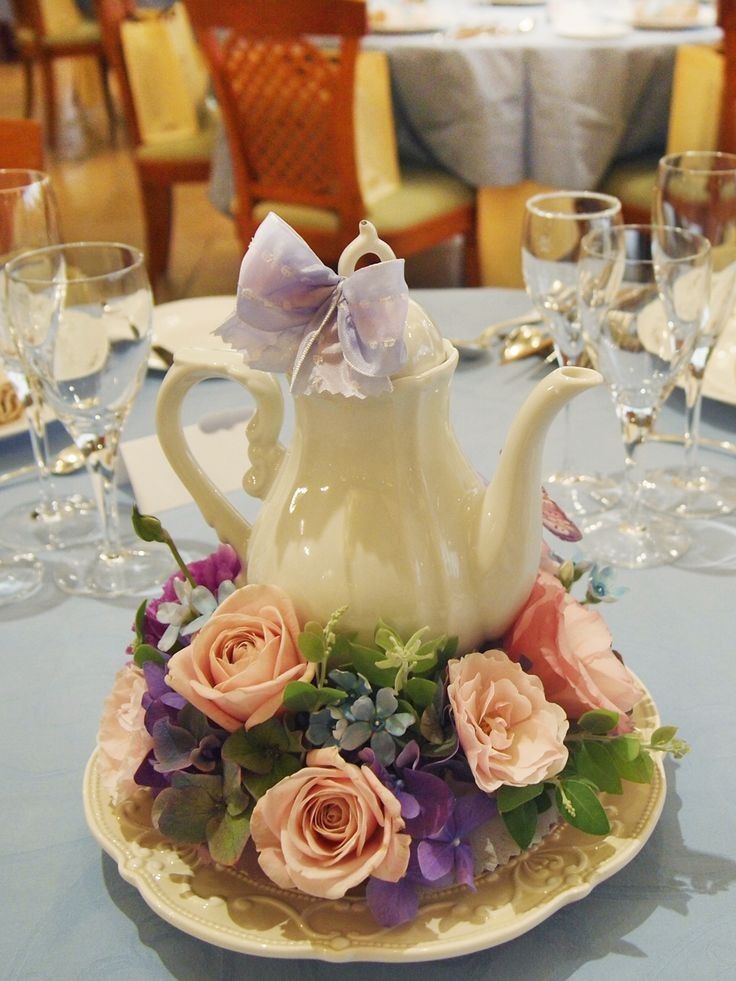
(107, 95)
(157, 209)
(49, 96)
(28, 90)
(471, 263)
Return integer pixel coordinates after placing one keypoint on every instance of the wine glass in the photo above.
(697, 190)
(643, 297)
(28, 220)
(554, 226)
(82, 316)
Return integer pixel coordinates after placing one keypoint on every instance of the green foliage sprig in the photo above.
(600, 761)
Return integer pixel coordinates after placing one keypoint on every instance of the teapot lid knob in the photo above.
(367, 243)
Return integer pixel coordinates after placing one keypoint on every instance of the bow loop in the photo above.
(296, 315)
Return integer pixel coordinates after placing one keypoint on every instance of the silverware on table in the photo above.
(66, 461)
(478, 346)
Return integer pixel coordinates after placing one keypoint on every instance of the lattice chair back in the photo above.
(287, 103)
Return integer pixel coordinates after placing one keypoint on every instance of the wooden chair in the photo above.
(40, 44)
(288, 109)
(21, 144)
(702, 115)
(162, 162)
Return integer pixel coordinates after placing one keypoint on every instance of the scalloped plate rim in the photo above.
(482, 938)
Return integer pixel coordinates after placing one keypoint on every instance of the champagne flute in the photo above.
(697, 190)
(82, 315)
(554, 226)
(28, 220)
(643, 296)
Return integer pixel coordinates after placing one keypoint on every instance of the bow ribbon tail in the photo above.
(313, 334)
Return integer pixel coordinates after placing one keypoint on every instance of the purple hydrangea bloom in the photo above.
(222, 564)
(439, 860)
(426, 800)
(159, 701)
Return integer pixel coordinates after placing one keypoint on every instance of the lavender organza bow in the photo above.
(294, 314)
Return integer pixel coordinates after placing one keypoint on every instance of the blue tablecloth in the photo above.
(67, 914)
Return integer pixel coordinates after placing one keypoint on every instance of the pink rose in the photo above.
(122, 739)
(569, 648)
(237, 666)
(328, 827)
(508, 730)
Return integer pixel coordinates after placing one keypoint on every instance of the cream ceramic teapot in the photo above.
(373, 505)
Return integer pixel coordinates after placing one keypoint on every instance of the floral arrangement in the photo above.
(389, 765)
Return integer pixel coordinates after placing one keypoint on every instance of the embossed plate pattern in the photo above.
(243, 911)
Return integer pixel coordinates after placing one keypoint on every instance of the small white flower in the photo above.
(195, 607)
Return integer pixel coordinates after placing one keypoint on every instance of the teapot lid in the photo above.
(423, 341)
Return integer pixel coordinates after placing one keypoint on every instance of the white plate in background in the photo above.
(189, 323)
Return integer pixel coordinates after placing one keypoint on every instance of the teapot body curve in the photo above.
(374, 508)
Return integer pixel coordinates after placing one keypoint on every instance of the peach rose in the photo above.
(568, 646)
(508, 730)
(237, 666)
(122, 738)
(328, 827)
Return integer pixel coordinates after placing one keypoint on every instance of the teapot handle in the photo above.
(264, 450)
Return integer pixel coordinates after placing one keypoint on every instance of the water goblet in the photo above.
(82, 316)
(697, 190)
(554, 226)
(29, 220)
(643, 297)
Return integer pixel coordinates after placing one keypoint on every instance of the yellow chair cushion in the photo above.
(632, 182)
(500, 217)
(188, 147)
(421, 196)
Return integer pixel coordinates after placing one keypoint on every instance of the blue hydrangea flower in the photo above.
(377, 721)
(600, 585)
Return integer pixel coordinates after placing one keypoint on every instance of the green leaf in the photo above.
(258, 784)
(144, 652)
(543, 802)
(211, 783)
(625, 748)
(595, 762)
(240, 747)
(312, 646)
(140, 619)
(227, 836)
(509, 798)
(364, 662)
(300, 696)
(663, 735)
(521, 823)
(598, 721)
(420, 692)
(331, 696)
(183, 814)
(578, 803)
(639, 770)
(236, 798)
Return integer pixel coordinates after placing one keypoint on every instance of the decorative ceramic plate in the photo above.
(188, 323)
(244, 911)
(20, 425)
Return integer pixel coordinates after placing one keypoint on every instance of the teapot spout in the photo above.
(511, 520)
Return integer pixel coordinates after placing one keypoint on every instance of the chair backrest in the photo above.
(727, 22)
(21, 144)
(287, 100)
(42, 17)
(697, 100)
(160, 72)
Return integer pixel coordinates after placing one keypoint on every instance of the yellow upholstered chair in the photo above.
(46, 30)
(694, 124)
(162, 81)
(289, 108)
(500, 226)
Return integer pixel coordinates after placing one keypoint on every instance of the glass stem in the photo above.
(32, 399)
(635, 426)
(100, 455)
(693, 404)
